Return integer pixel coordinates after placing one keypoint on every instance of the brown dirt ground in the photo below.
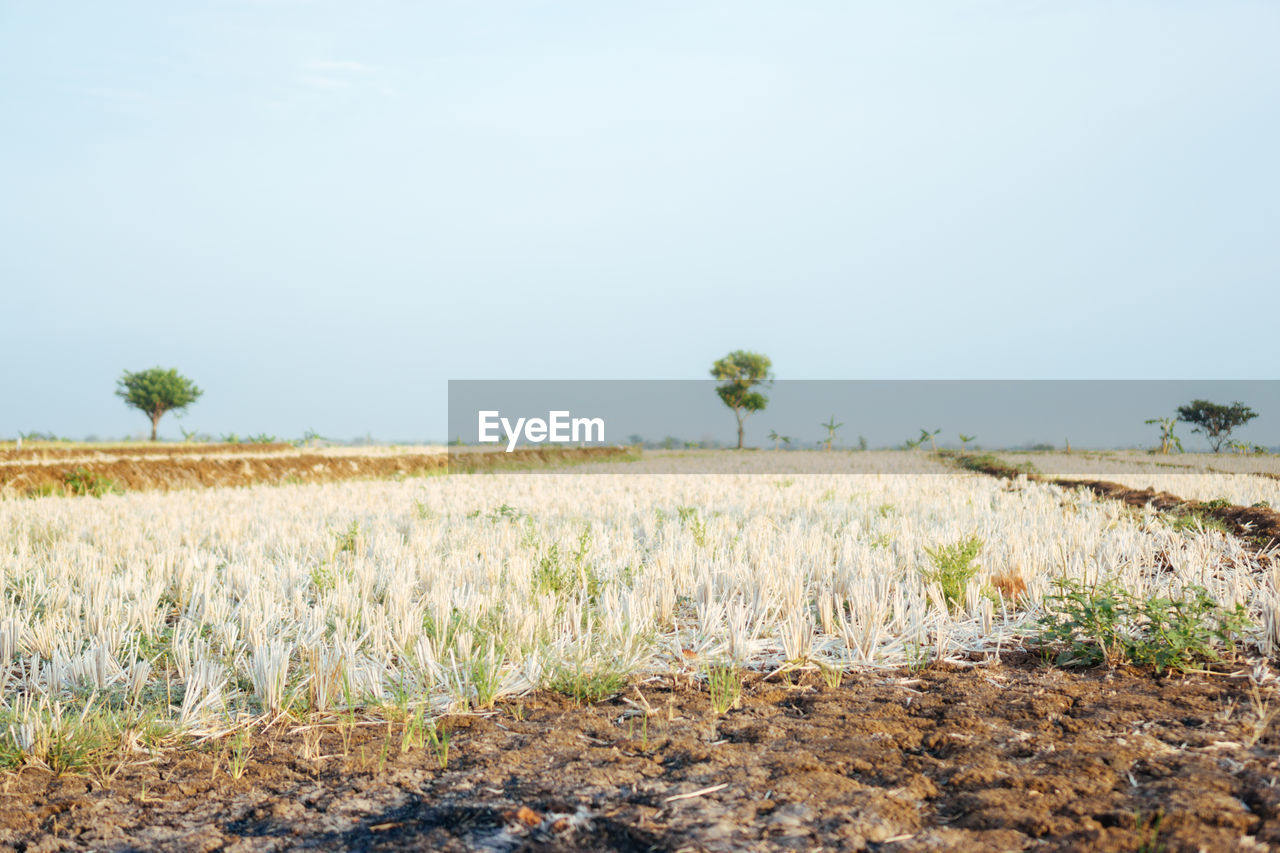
(992, 757)
(53, 453)
(249, 468)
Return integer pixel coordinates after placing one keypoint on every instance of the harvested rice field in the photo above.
(888, 652)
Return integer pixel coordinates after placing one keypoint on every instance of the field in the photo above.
(804, 650)
(53, 469)
(1245, 481)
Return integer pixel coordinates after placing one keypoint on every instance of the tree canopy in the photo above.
(156, 391)
(1214, 420)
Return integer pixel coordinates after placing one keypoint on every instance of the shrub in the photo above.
(1090, 625)
(82, 481)
(953, 568)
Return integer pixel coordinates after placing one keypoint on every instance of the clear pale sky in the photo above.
(323, 211)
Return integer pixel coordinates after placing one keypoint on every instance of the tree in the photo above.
(1215, 421)
(831, 426)
(156, 391)
(741, 371)
(776, 437)
(1168, 440)
(964, 441)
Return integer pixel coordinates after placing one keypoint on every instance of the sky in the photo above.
(321, 212)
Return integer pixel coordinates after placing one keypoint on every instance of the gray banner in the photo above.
(1006, 415)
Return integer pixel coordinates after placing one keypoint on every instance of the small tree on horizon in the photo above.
(831, 426)
(156, 391)
(741, 371)
(1214, 420)
(1168, 440)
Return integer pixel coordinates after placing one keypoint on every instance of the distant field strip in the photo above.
(227, 604)
(1265, 464)
(1191, 482)
(42, 452)
(254, 465)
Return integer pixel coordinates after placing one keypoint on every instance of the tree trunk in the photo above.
(155, 420)
(739, 434)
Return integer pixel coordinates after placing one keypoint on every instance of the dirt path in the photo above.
(993, 757)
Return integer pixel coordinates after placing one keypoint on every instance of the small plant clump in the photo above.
(587, 685)
(1010, 585)
(990, 463)
(1091, 625)
(439, 740)
(82, 482)
(1195, 519)
(953, 568)
(725, 687)
(349, 539)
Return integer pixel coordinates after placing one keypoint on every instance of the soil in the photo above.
(53, 453)
(990, 757)
(252, 467)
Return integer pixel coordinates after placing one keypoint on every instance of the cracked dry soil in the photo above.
(990, 757)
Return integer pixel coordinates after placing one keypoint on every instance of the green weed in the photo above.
(438, 737)
(84, 482)
(241, 750)
(725, 687)
(691, 519)
(953, 568)
(348, 540)
(587, 684)
(832, 674)
(1088, 626)
(1194, 519)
